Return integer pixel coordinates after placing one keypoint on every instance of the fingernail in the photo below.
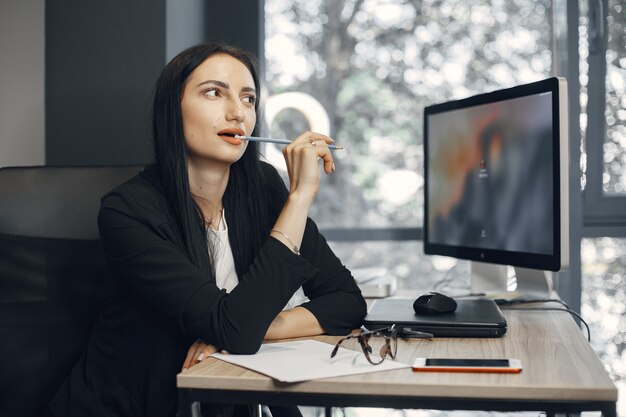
(201, 356)
(333, 166)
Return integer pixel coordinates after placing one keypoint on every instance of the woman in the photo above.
(207, 246)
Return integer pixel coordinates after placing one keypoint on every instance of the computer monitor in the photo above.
(496, 193)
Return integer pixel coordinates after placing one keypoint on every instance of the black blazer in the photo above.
(160, 303)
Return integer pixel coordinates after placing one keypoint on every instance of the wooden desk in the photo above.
(561, 374)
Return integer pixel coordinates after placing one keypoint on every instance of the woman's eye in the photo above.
(211, 92)
(250, 99)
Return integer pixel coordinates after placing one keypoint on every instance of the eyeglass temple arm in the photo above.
(336, 348)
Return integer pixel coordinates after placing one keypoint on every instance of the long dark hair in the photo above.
(248, 227)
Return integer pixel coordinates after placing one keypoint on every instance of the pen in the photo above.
(279, 141)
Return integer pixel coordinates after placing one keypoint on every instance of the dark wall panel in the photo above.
(239, 22)
(102, 59)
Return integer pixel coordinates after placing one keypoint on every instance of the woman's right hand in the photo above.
(301, 157)
(198, 351)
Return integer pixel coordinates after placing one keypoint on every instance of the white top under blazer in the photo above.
(225, 274)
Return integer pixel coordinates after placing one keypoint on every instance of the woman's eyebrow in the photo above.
(218, 83)
(222, 84)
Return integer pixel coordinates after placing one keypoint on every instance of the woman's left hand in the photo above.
(198, 351)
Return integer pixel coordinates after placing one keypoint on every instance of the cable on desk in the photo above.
(572, 312)
(501, 302)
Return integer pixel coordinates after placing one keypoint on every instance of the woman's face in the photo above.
(217, 103)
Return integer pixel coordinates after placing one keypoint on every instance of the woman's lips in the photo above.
(229, 135)
(231, 139)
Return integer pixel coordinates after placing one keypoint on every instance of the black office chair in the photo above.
(51, 276)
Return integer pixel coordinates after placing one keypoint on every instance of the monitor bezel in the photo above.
(552, 262)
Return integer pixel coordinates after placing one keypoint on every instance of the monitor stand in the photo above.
(492, 280)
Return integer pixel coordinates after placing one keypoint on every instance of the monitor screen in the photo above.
(493, 170)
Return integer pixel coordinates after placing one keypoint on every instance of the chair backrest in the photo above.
(51, 276)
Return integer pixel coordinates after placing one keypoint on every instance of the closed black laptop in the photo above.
(472, 318)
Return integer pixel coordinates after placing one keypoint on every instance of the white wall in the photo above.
(22, 94)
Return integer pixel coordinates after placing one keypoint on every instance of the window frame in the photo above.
(604, 213)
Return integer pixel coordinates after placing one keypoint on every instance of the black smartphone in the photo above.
(512, 366)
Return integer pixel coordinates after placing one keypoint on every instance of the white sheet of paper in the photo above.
(303, 360)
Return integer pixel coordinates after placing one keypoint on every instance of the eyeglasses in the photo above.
(384, 341)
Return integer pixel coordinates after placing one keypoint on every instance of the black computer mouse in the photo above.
(434, 303)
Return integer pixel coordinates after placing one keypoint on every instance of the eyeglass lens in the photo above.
(376, 345)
